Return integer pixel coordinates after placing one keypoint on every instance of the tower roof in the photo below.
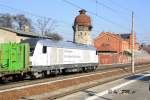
(82, 18)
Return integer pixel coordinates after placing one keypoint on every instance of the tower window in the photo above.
(107, 38)
(86, 28)
(81, 28)
(78, 35)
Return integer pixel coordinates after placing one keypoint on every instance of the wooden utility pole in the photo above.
(132, 32)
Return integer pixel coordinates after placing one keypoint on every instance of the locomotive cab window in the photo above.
(96, 52)
(44, 49)
(31, 51)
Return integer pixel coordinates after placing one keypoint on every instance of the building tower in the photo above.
(82, 27)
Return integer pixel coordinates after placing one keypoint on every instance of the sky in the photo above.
(109, 15)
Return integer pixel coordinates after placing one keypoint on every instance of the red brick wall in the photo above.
(113, 58)
(120, 59)
(105, 59)
(107, 43)
(125, 46)
(110, 42)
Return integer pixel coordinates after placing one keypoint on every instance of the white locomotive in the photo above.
(56, 57)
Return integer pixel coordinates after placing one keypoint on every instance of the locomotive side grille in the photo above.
(60, 56)
(86, 56)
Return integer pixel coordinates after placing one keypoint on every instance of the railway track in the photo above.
(12, 84)
(88, 86)
(22, 85)
(5, 85)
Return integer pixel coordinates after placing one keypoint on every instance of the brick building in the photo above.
(114, 48)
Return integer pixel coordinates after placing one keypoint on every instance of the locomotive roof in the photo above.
(60, 44)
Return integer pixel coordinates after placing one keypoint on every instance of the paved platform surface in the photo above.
(135, 87)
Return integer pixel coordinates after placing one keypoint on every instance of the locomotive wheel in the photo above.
(17, 77)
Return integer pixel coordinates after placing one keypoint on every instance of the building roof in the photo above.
(111, 34)
(124, 36)
(22, 33)
(59, 44)
(82, 19)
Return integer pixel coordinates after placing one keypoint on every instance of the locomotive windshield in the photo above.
(32, 43)
(32, 51)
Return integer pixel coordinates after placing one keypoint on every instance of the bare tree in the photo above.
(55, 36)
(22, 20)
(6, 20)
(46, 27)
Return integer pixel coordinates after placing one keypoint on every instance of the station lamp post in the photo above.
(132, 32)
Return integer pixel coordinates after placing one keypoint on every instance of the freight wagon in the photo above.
(14, 59)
